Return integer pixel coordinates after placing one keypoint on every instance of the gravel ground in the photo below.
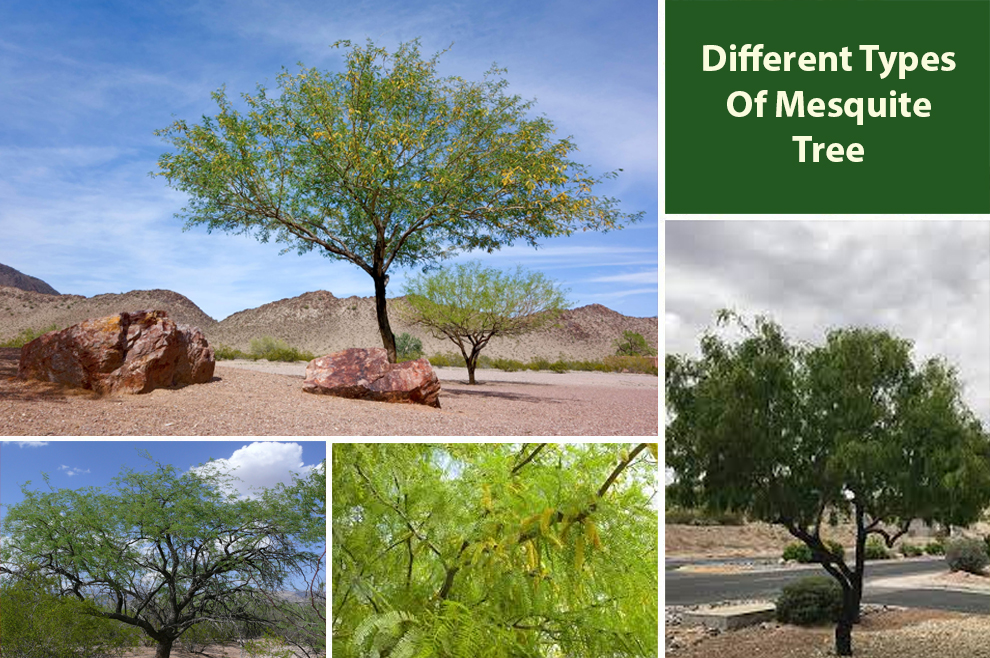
(883, 633)
(249, 402)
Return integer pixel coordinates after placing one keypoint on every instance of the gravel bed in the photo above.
(242, 402)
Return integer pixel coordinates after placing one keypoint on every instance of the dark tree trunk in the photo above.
(472, 363)
(381, 310)
(164, 648)
(843, 630)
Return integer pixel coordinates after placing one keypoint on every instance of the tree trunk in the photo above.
(164, 648)
(472, 363)
(381, 310)
(843, 630)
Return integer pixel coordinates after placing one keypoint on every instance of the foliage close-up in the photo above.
(469, 305)
(800, 434)
(165, 553)
(385, 163)
(497, 550)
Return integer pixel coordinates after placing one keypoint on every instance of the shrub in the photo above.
(37, 624)
(967, 554)
(223, 352)
(835, 548)
(633, 344)
(799, 552)
(809, 601)
(27, 335)
(408, 347)
(273, 349)
(448, 360)
(935, 548)
(641, 364)
(508, 365)
(876, 550)
(910, 550)
(802, 553)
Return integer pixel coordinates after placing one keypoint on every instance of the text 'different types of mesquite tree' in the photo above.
(799, 434)
(499, 550)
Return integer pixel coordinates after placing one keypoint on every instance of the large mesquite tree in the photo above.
(164, 551)
(498, 550)
(384, 164)
(797, 434)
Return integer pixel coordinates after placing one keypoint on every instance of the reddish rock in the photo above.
(366, 374)
(127, 353)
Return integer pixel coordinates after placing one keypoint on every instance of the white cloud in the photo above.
(260, 465)
(28, 444)
(70, 470)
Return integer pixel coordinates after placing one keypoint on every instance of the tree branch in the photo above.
(528, 459)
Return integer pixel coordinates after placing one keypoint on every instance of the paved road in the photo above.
(685, 588)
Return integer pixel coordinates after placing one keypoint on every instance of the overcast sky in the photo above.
(85, 84)
(928, 281)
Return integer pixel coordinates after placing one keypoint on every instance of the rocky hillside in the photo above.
(320, 323)
(22, 309)
(11, 278)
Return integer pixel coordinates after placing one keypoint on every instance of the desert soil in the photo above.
(252, 402)
(209, 651)
(889, 634)
(749, 540)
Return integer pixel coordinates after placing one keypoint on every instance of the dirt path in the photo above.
(245, 402)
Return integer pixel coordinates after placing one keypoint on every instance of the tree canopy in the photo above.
(163, 551)
(521, 550)
(796, 434)
(385, 163)
(470, 304)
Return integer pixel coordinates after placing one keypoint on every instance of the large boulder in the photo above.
(127, 353)
(366, 374)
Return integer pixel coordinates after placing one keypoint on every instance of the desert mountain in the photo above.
(14, 279)
(320, 323)
(21, 309)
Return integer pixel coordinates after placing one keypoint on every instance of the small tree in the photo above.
(791, 433)
(385, 163)
(633, 344)
(470, 304)
(164, 550)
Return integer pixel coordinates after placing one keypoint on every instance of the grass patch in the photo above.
(266, 347)
(636, 364)
(27, 335)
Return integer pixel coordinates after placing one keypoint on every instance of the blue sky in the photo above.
(77, 464)
(85, 84)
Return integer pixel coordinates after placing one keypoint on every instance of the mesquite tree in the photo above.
(795, 434)
(470, 304)
(499, 550)
(164, 551)
(385, 163)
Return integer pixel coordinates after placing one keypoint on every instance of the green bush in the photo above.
(876, 550)
(798, 552)
(508, 365)
(633, 344)
(809, 601)
(223, 352)
(835, 548)
(910, 550)
(37, 624)
(935, 548)
(273, 349)
(27, 335)
(448, 360)
(967, 554)
(408, 347)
